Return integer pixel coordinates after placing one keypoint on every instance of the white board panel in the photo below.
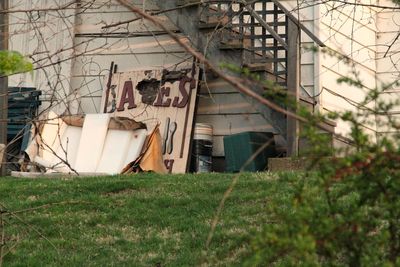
(94, 133)
(68, 149)
(114, 152)
(51, 136)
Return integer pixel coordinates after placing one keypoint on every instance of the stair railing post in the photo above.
(3, 87)
(293, 85)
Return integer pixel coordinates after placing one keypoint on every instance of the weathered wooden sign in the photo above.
(156, 97)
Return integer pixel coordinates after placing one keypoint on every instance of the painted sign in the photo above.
(156, 97)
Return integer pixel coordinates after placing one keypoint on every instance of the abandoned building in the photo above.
(98, 56)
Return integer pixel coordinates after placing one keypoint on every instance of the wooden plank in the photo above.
(235, 123)
(293, 84)
(126, 61)
(307, 75)
(113, 6)
(94, 23)
(215, 86)
(224, 104)
(307, 55)
(122, 45)
(3, 85)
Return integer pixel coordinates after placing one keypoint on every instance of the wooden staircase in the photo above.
(260, 35)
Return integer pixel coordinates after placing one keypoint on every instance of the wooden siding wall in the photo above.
(388, 70)
(228, 112)
(309, 79)
(350, 31)
(47, 38)
(87, 50)
(147, 48)
(134, 46)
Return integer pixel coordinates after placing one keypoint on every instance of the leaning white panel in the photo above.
(120, 148)
(94, 133)
(68, 150)
(51, 136)
(114, 151)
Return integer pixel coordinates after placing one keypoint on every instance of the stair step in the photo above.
(267, 60)
(261, 36)
(282, 84)
(230, 45)
(281, 72)
(257, 67)
(272, 24)
(186, 2)
(210, 25)
(268, 48)
(267, 12)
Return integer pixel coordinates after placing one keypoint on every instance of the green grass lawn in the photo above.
(141, 220)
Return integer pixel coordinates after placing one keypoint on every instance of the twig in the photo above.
(64, 7)
(31, 227)
(45, 206)
(390, 46)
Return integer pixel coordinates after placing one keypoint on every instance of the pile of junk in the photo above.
(91, 144)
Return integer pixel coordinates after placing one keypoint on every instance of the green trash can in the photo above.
(239, 148)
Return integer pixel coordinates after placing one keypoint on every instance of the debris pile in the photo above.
(93, 144)
(145, 125)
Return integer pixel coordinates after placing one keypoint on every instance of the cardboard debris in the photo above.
(151, 158)
(115, 123)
